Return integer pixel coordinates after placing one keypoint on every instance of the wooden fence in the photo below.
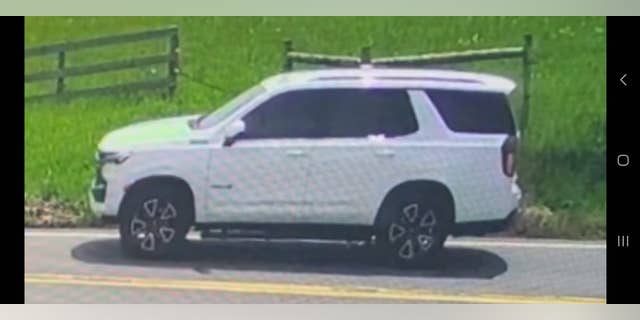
(62, 73)
(524, 53)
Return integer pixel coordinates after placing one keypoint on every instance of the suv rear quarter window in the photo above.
(474, 111)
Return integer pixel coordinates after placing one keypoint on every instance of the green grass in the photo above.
(563, 157)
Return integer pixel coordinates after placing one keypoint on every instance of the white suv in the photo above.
(402, 157)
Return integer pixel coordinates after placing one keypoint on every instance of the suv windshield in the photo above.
(209, 120)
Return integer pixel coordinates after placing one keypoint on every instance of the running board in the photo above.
(284, 231)
(232, 233)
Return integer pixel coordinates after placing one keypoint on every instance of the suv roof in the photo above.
(413, 77)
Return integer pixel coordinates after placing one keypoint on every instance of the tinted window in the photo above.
(333, 113)
(289, 115)
(359, 113)
(474, 112)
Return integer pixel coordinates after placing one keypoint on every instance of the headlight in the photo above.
(111, 157)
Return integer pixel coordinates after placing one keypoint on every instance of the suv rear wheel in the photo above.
(154, 221)
(412, 229)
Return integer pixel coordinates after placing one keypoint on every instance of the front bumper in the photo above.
(105, 194)
(98, 190)
(97, 195)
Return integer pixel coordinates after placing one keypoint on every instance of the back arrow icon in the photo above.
(622, 80)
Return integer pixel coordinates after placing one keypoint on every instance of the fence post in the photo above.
(60, 81)
(288, 63)
(527, 60)
(173, 66)
(365, 55)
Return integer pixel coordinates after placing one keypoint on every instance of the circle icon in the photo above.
(623, 160)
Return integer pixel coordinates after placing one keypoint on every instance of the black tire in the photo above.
(154, 220)
(413, 226)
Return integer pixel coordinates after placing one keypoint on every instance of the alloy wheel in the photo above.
(153, 225)
(412, 231)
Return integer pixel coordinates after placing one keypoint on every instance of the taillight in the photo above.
(509, 149)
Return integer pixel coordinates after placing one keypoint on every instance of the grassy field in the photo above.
(562, 167)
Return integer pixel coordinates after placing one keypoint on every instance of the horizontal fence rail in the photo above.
(60, 75)
(97, 68)
(524, 53)
(99, 42)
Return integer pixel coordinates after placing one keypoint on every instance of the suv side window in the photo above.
(333, 113)
(363, 112)
(474, 111)
(287, 115)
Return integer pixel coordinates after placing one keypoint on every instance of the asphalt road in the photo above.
(86, 266)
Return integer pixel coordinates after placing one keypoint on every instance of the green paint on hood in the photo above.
(149, 133)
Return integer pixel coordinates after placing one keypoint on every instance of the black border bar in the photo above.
(623, 83)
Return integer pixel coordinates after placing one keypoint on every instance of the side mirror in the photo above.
(232, 131)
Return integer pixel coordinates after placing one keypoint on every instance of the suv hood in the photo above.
(173, 130)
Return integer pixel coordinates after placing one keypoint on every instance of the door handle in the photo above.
(385, 153)
(296, 153)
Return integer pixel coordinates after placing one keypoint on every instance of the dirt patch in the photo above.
(52, 213)
(541, 222)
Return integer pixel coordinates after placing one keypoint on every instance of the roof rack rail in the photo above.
(523, 52)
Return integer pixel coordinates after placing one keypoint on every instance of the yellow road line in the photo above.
(297, 289)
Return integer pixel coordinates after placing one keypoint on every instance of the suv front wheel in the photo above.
(154, 221)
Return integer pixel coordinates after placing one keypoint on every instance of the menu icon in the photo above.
(623, 241)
